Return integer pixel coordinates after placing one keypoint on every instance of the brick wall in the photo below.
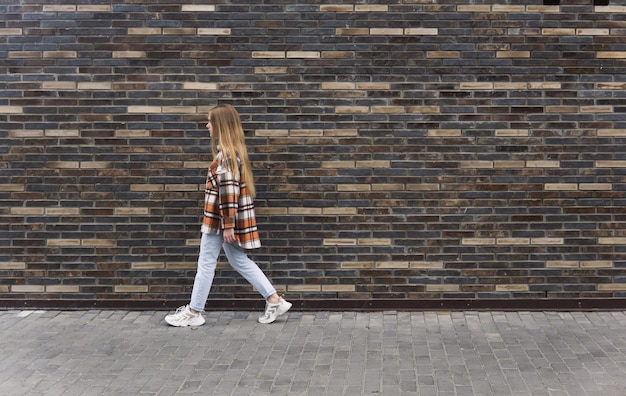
(407, 153)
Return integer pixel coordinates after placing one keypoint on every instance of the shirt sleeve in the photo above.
(229, 190)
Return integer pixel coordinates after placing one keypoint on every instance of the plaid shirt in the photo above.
(228, 204)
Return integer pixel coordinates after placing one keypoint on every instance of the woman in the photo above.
(229, 221)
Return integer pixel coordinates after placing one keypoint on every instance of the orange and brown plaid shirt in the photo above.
(228, 204)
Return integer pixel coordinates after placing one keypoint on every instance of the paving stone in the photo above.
(386, 353)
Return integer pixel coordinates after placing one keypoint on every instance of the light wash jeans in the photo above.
(210, 248)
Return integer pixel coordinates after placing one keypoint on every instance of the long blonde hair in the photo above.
(229, 139)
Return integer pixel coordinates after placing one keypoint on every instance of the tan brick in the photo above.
(513, 54)
(25, 211)
(511, 288)
(64, 165)
(179, 109)
(11, 109)
(341, 132)
(512, 241)
(352, 31)
(98, 242)
(507, 8)
(595, 186)
(270, 211)
(546, 241)
(558, 32)
(304, 288)
(200, 85)
(198, 8)
(596, 264)
(144, 31)
(12, 265)
(93, 8)
(63, 242)
(611, 54)
(338, 164)
(442, 288)
(387, 31)
(476, 164)
(596, 109)
(374, 242)
(544, 85)
(145, 265)
(612, 240)
(62, 133)
(612, 287)
(96, 164)
(332, 85)
(561, 109)
(443, 54)
(128, 54)
(62, 211)
(371, 8)
(339, 211)
(543, 8)
(373, 85)
(388, 109)
(146, 187)
(426, 264)
(59, 54)
(270, 70)
(476, 85)
(543, 164)
(28, 289)
(611, 8)
(478, 241)
(268, 54)
(473, 8)
(392, 264)
(181, 265)
(611, 85)
(509, 164)
(444, 132)
(214, 31)
(131, 289)
(560, 187)
(338, 288)
(11, 187)
(336, 7)
(338, 54)
(357, 264)
(305, 211)
(145, 109)
(592, 32)
(421, 31)
(562, 264)
(512, 132)
(59, 85)
(131, 211)
(510, 86)
(303, 54)
(352, 109)
(353, 187)
(373, 164)
(62, 289)
(59, 8)
(423, 109)
(610, 164)
(24, 54)
(611, 132)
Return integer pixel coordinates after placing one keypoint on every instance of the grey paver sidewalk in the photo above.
(314, 353)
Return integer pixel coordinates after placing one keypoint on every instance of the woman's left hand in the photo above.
(229, 235)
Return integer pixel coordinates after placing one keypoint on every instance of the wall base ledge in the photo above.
(513, 304)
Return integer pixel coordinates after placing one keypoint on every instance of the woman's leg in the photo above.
(249, 270)
(210, 247)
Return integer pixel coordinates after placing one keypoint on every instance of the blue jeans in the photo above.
(210, 248)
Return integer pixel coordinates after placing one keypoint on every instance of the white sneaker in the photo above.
(184, 317)
(273, 311)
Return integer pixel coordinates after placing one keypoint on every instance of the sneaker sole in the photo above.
(176, 324)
